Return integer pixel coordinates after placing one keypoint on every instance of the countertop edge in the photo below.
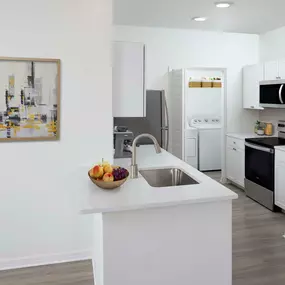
(161, 205)
(280, 148)
(243, 136)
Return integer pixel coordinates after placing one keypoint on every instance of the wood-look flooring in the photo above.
(73, 273)
(216, 175)
(258, 252)
(258, 243)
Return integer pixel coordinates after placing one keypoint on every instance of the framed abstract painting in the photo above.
(29, 99)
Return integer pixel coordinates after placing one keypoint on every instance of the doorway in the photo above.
(204, 123)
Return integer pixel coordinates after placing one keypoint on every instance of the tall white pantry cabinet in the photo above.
(128, 83)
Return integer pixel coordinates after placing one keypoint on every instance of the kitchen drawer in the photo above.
(236, 143)
(280, 157)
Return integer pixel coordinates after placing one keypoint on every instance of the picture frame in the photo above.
(31, 98)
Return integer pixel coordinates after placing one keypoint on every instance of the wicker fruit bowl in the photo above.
(107, 176)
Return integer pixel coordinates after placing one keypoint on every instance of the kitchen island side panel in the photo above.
(181, 245)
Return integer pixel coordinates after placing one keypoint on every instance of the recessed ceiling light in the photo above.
(199, 19)
(223, 4)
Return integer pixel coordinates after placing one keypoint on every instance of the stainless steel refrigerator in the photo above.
(155, 123)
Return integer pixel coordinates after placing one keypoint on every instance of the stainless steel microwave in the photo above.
(272, 94)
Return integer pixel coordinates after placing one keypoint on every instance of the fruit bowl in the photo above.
(109, 185)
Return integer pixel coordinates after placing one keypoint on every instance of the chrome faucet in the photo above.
(134, 167)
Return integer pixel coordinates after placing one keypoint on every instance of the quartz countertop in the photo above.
(243, 136)
(280, 147)
(138, 194)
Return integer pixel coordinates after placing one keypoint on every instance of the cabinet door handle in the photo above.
(234, 149)
(234, 142)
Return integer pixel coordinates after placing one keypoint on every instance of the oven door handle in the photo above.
(269, 150)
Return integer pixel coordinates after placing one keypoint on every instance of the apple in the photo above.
(97, 171)
(108, 168)
(104, 163)
(108, 177)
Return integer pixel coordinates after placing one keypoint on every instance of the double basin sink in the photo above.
(167, 177)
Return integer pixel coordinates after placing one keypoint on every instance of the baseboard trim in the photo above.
(31, 261)
(235, 184)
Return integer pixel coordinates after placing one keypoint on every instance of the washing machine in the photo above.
(209, 143)
(191, 146)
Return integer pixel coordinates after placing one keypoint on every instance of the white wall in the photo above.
(203, 102)
(190, 48)
(39, 190)
(272, 47)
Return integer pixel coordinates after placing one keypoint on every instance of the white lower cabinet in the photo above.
(235, 161)
(280, 179)
(231, 166)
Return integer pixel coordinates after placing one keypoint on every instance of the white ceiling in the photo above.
(245, 16)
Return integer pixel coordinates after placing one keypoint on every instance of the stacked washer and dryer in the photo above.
(196, 124)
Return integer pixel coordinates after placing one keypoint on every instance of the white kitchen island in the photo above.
(162, 236)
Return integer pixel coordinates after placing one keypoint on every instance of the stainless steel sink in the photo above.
(167, 177)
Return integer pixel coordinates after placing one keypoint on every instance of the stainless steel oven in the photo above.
(259, 166)
(259, 174)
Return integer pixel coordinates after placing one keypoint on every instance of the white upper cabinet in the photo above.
(271, 70)
(281, 69)
(252, 75)
(128, 79)
(274, 70)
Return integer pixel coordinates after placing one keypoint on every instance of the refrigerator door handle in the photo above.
(165, 133)
(166, 127)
